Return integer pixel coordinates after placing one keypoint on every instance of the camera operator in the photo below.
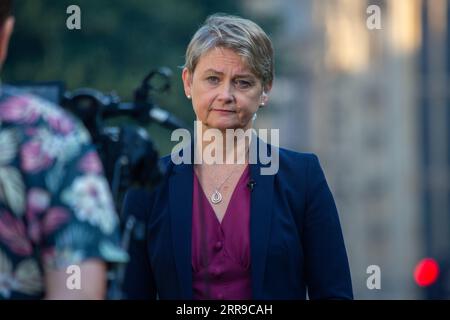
(56, 209)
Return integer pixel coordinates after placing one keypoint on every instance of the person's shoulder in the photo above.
(20, 98)
(300, 167)
(22, 109)
(297, 159)
(164, 162)
(288, 153)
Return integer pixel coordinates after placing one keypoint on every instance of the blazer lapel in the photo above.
(180, 206)
(260, 220)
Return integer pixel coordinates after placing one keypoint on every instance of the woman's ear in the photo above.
(265, 94)
(187, 82)
(266, 91)
(267, 88)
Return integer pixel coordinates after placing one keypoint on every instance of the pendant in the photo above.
(216, 197)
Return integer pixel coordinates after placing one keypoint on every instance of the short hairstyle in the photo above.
(5, 10)
(242, 36)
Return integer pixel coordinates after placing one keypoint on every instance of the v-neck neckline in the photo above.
(210, 207)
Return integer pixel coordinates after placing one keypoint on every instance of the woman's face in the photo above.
(225, 93)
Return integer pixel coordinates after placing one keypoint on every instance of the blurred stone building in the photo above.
(374, 105)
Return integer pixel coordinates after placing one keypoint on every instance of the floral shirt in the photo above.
(55, 206)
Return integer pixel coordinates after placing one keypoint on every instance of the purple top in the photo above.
(223, 272)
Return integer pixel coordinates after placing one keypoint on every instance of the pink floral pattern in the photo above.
(54, 218)
(90, 163)
(61, 124)
(38, 200)
(55, 205)
(34, 158)
(12, 233)
(19, 109)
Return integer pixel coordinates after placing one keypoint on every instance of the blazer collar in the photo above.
(180, 208)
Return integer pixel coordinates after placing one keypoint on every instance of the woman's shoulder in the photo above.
(296, 154)
(291, 158)
(164, 161)
(300, 166)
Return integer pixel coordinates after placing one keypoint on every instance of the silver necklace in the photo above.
(217, 197)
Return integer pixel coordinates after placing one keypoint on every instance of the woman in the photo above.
(227, 231)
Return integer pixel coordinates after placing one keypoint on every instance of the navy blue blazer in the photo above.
(296, 242)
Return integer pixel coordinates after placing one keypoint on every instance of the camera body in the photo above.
(127, 151)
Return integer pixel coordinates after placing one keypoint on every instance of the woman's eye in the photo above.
(243, 84)
(213, 80)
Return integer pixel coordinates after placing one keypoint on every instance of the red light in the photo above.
(426, 272)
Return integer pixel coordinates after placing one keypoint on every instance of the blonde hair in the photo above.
(242, 36)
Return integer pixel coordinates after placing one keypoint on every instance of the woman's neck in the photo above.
(221, 147)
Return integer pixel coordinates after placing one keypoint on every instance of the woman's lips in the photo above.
(224, 111)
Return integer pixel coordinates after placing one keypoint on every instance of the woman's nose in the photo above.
(226, 94)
